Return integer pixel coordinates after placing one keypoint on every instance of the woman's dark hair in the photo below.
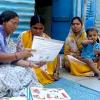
(78, 18)
(92, 29)
(36, 19)
(7, 15)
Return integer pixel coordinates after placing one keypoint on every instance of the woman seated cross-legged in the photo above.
(50, 74)
(73, 48)
(15, 72)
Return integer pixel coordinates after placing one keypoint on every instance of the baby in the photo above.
(91, 51)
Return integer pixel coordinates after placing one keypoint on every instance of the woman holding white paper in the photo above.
(15, 72)
(36, 29)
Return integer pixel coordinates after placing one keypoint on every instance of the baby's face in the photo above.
(92, 35)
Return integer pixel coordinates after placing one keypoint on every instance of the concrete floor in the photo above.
(90, 82)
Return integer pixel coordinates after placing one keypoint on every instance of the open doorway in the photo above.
(44, 8)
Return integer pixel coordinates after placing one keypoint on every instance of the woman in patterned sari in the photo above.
(73, 47)
(15, 72)
(36, 29)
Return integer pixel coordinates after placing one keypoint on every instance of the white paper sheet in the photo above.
(46, 49)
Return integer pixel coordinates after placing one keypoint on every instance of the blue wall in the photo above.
(24, 8)
(90, 13)
(62, 12)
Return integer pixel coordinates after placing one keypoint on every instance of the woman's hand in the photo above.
(36, 65)
(24, 53)
(41, 63)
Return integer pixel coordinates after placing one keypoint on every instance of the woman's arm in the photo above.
(23, 63)
(10, 57)
(66, 49)
(26, 63)
(7, 57)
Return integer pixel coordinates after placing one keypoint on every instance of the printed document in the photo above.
(46, 49)
(38, 93)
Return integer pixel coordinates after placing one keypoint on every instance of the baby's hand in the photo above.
(87, 41)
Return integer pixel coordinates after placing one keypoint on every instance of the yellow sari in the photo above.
(44, 77)
(72, 47)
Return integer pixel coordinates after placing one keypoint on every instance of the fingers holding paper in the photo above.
(28, 52)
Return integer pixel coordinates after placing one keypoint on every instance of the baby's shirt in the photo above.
(88, 51)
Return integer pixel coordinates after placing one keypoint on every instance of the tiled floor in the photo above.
(90, 82)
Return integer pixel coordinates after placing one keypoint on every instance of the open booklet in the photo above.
(38, 93)
(46, 49)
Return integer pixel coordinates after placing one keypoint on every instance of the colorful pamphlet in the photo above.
(38, 93)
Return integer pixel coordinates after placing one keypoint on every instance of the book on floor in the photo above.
(38, 93)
